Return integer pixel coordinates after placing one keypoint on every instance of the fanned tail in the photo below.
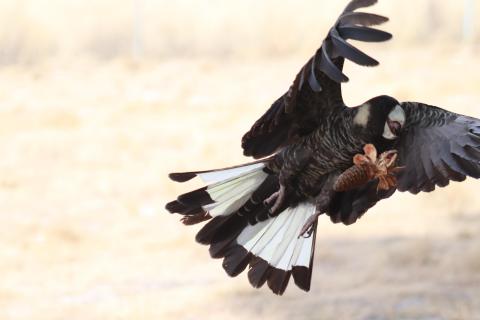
(242, 232)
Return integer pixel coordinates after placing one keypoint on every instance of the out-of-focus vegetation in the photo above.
(39, 30)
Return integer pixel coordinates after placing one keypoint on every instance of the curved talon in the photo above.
(370, 166)
(308, 228)
(275, 200)
(370, 152)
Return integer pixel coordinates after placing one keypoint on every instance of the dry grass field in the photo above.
(88, 136)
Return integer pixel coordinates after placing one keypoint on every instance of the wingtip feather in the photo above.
(357, 4)
(182, 176)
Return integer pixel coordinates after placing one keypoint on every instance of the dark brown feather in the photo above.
(362, 18)
(437, 147)
(198, 197)
(357, 4)
(364, 34)
(348, 51)
(278, 280)
(316, 89)
(302, 277)
(258, 272)
(347, 207)
(196, 218)
(236, 260)
(176, 207)
(182, 176)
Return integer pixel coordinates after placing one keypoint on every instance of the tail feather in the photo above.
(195, 218)
(232, 195)
(259, 272)
(242, 232)
(278, 280)
(216, 175)
(208, 231)
(200, 197)
(176, 207)
(218, 249)
(272, 248)
(182, 176)
(236, 260)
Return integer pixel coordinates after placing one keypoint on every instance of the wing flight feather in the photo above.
(316, 90)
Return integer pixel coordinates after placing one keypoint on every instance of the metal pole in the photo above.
(469, 20)
(137, 41)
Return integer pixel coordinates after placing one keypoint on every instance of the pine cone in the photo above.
(354, 177)
(368, 167)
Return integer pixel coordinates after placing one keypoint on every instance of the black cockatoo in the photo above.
(318, 156)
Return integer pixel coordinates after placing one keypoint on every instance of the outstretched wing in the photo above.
(349, 206)
(437, 146)
(316, 89)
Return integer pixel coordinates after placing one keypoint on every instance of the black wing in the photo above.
(302, 109)
(347, 207)
(437, 146)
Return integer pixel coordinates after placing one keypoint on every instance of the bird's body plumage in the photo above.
(262, 215)
(328, 149)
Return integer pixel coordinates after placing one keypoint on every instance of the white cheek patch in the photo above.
(363, 113)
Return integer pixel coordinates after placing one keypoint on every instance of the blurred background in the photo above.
(99, 100)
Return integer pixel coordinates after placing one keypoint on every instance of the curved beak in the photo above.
(394, 126)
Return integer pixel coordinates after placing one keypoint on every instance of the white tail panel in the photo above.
(277, 240)
(236, 188)
(213, 176)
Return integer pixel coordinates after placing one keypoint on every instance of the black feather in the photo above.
(208, 231)
(348, 51)
(198, 217)
(363, 34)
(302, 277)
(328, 67)
(306, 106)
(357, 4)
(176, 207)
(362, 18)
(348, 207)
(236, 260)
(470, 167)
(199, 197)
(312, 79)
(182, 176)
(278, 280)
(438, 147)
(259, 272)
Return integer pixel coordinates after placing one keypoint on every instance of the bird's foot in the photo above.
(309, 226)
(386, 170)
(275, 200)
(322, 203)
(370, 166)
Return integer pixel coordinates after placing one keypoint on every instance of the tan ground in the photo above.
(87, 138)
(85, 152)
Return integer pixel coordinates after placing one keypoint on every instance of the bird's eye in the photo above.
(388, 133)
(394, 123)
(394, 126)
